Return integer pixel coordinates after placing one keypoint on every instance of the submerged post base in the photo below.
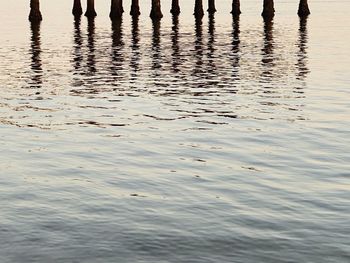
(236, 8)
(35, 16)
(211, 7)
(77, 9)
(135, 8)
(303, 10)
(198, 9)
(175, 8)
(269, 10)
(156, 12)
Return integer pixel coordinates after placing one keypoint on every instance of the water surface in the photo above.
(219, 140)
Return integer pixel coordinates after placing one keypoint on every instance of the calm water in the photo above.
(219, 140)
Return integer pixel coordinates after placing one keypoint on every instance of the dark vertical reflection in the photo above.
(35, 51)
(91, 57)
(78, 42)
(156, 56)
(198, 47)
(235, 56)
(212, 72)
(267, 51)
(135, 48)
(302, 67)
(175, 44)
(117, 44)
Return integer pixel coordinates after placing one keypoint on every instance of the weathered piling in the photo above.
(236, 8)
(77, 9)
(303, 9)
(175, 8)
(198, 9)
(116, 9)
(268, 10)
(90, 10)
(211, 7)
(156, 12)
(35, 14)
(135, 8)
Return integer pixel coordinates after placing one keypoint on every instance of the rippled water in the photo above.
(218, 140)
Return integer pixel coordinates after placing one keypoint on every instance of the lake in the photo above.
(221, 140)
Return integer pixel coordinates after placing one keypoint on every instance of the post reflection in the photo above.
(135, 47)
(175, 45)
(156, 56)
(302, 67)
(117, 44)
(35, 51)
(267, 50)
(78, 42)
(212, 73)
(235, 56)
(91, 57)
(198, 46)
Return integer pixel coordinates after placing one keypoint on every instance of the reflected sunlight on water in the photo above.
(214, 140)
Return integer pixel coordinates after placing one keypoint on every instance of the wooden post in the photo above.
(198, 9)
(90, 10)
(269, 10)
(135, 8)
(211, 6)
(175, 7)
(303, 10)
(116, 9)
(236, 8)
(156, 12)
(77, 9)
(35, 14)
